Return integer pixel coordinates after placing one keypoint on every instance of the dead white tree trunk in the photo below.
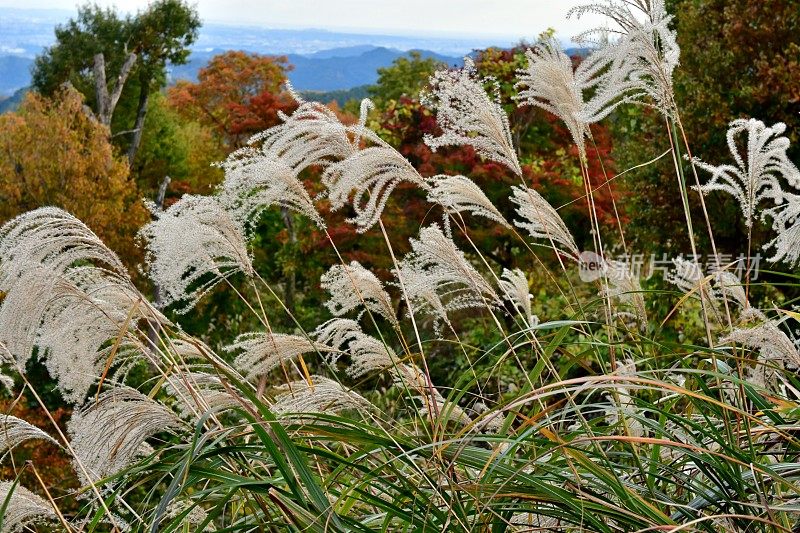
(107, 102)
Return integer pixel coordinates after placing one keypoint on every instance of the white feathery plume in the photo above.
(67, 297)
(14, 431)
(193, 518)
(191, 247)
(87, 320)
(253, 183)
(411, 376)
(190, 350)
(625, 407)
(312, 135)
(24, 508)
(514, 285)
(437, 277)
(55, 312)
(369, 175)
(262, 352)
(53, 238)
(449, 411)
(459, 193)
(336, 333)
(7, 382)
(352, 286)
(107, 435)
(770, 340)
(199, 392)
(22, 311)
(467, 115)
(36, 248)
(625, 289)
(324, 396)
(551, 83)
(785, 223)
(541, 220)
(647, 45)
(754, 178)
(73, 320)
(368, 355)
(688, 277)
(729, 286)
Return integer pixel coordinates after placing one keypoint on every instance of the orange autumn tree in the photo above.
(238, 94)
(53, 153)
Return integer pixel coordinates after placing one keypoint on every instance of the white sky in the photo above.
(501, 18)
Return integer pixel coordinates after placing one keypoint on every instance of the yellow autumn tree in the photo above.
(54, 153)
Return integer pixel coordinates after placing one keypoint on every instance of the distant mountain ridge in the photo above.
(325, 70)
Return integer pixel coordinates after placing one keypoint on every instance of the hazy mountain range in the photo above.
(323, 60)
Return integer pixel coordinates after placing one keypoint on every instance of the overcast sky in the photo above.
(502, 18)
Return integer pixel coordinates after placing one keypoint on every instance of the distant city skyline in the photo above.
(510, 19)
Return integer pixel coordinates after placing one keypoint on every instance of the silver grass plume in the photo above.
(785, 222)
(255, 182)
(647, 45)
(7, 382)
(459, 193)
(448, 411)
(542, 221)
(369, 176)
(193, 515)
(263, 352)
(411, 376)
(24, 508)
(625, 290)
(754, 177)
(467, 115)
(198, 392)
(311, 135)
(15, 431)
(729, 286)
(775, 349)
(688, 277)
(437, 277)
(88, 319)
(67, 297)
(514, 285)
(107, 435)
(624, 407)
(191, 247)
(336, 333)
(352, 286)
(53, 238)
(369, 355)
(324, 396)
(69, 319)
(551, 83)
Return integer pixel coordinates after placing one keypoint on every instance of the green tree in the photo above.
(406, 76)
(116, 61)
(177, 147)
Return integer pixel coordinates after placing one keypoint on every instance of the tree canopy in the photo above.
(129, 53)
(53, 154)
(237, 94)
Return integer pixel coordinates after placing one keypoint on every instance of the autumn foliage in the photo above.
(52, 152)
(237, 93)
